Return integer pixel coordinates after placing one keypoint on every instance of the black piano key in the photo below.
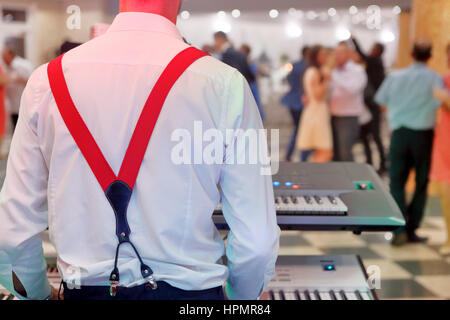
(332, 295)
(283, 297)
(308, 295)
(318, 200)
(308, 199)
(342, 292)
(332, 199)
(317, 295)
(297, 293)
(358, 295)
(271, 295)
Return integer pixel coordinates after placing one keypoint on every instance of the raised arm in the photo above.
(358, 49)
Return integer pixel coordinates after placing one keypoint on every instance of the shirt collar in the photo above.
(140, 21)
(418, 64)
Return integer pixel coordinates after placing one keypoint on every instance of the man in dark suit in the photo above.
(375, 76)
(231, 56)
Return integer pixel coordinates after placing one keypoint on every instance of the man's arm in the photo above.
(358, 49)
(247, 199)
(23, 204)
(443, 96)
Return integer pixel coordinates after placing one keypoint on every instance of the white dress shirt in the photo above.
(347, 86)
(48, 182)
(19, 67)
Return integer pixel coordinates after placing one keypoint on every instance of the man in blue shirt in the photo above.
(293, 99)
(411, 109)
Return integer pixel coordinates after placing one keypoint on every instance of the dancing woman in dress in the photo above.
(315, 128)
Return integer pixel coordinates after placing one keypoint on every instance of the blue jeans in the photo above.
(143, 292)
(345, 135)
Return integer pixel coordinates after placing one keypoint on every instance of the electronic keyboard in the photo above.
(340, 277)
(330, 196)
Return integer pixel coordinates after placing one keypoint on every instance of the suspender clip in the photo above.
(152, 282)
(113, 288)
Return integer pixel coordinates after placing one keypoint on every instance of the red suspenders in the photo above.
(118, 189)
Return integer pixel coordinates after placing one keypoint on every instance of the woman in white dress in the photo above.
(315, 128)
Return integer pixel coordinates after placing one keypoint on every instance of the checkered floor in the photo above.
(414, 271)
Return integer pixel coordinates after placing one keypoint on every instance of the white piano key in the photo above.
(308, 204)
(313, 296)
(341, 205)
(290, 296)
(303, 296)
(325, 296)
(279, 204)
(290, 204)
(338, 295)
(351, 296)
(277, 295)
(365, 296)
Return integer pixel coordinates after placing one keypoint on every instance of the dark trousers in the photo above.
(371, 131)
(295, 115)
(345, 135)
(14, 119)
(410, 149)
(143, 292)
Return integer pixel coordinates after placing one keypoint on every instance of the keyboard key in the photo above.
(325, 296)
(303, 296)
(290, 296)
(277, 296)
(338, 295)
(350, 296)
(365, 296)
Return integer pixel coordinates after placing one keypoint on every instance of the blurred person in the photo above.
(347, 84)
(315, 130)
(246, 50)
(411, 110)
(67, 46)
(18, 69)
(375, 76)
(293, 100)
(440, 164)
(231, 56)
(208, 49)
(54, 180)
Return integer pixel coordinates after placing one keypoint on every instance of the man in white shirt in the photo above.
(18, 69)
(347, 84)
(50, 183)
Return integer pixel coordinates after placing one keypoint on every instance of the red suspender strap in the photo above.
(77, 128)
(144, 128)
(147, 121)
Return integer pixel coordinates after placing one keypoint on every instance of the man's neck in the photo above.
(167, 9)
